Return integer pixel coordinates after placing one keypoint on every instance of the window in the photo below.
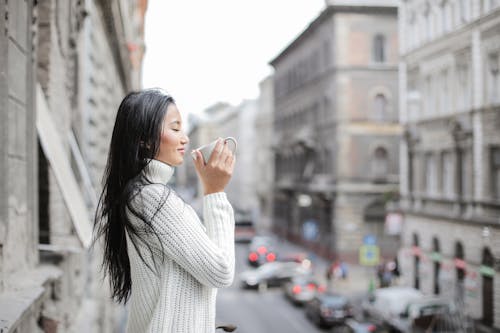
(379, 48)
(464, 10)
(464, 87)
(326, 53)
(448, 170)
(466, 173)
(428, 97)
(436, 258)
(460, 272)
(431, 174)
(43, 198)
(485, 6)
(433, 96)
(445, 93)
(416, 262)
(494, 85)
(495, 172)
(380, 107)
(446, 17)
(427, 21)
(410, 173)
(380, 166)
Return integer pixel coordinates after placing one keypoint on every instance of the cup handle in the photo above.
(235, 143)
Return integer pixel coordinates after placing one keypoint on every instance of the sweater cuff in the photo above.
(215, 196)
(216, 207)
(216, 200)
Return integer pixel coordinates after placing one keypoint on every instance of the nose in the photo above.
(185, 139)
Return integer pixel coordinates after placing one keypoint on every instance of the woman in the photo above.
(158, 255)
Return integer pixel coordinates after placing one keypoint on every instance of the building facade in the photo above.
(450, 155)
(264, 156)
(223, 120)
(336, 129)
(64, 68)
(203, 129)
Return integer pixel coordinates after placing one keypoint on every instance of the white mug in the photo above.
(206, 150)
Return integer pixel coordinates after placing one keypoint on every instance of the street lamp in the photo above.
(304, 200)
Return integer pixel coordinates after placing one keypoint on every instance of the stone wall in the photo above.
(48, 279)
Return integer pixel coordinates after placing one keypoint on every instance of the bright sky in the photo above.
(204, 51)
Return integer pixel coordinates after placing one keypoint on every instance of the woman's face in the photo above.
(173, 139)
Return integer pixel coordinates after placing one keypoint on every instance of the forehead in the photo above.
(173, 114)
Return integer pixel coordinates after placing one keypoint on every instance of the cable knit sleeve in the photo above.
(207, 256)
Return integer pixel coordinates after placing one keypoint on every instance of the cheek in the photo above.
(167, 140)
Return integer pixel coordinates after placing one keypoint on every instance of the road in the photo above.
(259, 312)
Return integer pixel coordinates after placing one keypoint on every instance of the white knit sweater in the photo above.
(198, 259)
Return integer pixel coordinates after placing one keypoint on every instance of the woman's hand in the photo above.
(215, 175)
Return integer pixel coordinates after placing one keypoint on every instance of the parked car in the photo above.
(426, 314)
(261, 250)
(328, 310)
(272, 274)
(302, 289)
(365, 326)
(387, 304)
(299, 257)
(244, 230)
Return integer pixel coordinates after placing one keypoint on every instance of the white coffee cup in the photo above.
(206, 150)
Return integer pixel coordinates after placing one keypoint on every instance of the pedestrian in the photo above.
(160, 258)
(380, 273)
(343, 269)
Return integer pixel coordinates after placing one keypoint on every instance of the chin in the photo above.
(178, 162)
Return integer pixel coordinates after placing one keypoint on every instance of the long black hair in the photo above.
(134, 142)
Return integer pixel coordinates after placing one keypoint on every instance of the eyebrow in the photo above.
(177, 122)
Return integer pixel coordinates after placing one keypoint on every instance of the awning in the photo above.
(53, 148)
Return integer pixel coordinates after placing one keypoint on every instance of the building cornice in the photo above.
(328, 12)
(114, 21)
(452, 41)
(478, 221)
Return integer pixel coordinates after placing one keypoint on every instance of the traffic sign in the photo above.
(369, 255)
(310, 230)
(370, 240)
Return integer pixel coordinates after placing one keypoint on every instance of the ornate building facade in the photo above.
(336, 129)
(450, 155)
(64, 68)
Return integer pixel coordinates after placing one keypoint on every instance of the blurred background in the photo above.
(367, 188)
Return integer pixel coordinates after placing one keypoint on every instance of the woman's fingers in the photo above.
(198, 160)
(229, 158)
(220, 154)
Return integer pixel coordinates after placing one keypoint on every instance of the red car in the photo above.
(261, 250)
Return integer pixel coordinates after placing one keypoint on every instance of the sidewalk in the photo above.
(358, 278)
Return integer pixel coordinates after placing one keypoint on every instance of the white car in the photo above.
(407, 310)
(272, 274)
(429, 311)
(388, 304)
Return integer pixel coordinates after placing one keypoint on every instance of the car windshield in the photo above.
(303, 280)
(262, 240)
(268, 268)
(333, 301)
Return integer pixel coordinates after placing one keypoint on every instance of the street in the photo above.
(263, 312)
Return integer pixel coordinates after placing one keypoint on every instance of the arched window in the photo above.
(488, 273)
(460, 270)
(436, 258)
(380, 107)
(379, 48)
(494, 78)
(380, 163)
(416, 262)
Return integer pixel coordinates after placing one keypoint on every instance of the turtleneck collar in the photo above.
(158, 172)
